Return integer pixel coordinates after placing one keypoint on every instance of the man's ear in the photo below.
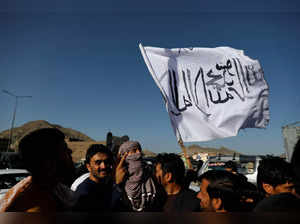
(268, 188)
(216, 204)
(168, 177)
(88, 167)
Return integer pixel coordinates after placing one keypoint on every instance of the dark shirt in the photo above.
(94, 196)
(185, 201)
(284, 202)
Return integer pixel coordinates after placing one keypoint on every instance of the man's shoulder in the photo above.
(185, 201)
(85, 186)
(279, 202)
(87, 181)
(190, 196)
(189, 193)
(192, 203)
(79, 180)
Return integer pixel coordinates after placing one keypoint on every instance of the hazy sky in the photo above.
(81, 63)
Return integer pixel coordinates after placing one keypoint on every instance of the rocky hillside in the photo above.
(80, 142)
(77, 141)
(194, 149)
(19, 132)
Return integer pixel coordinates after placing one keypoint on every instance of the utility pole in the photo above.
(14, 115)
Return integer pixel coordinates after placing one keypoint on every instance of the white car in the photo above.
(9, 178)
(247, 165)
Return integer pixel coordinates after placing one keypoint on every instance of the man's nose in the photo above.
(102, 165)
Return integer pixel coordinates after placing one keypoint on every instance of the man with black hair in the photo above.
(48, 159)
(170, 171)
(95, 192)
(275, 179)
(274, 176)
(219, 192)
(248, 191)
(249, 196)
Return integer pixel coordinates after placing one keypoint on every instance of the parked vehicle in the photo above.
(247, 164)
(10, 177)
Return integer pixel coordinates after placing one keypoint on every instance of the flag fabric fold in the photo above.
(210, 93)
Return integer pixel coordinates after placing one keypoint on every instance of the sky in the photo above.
(80, 62)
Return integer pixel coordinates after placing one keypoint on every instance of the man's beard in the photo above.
(103, 179)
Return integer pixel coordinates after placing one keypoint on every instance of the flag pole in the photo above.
(183, 148)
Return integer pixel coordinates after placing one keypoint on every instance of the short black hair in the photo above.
(274, 171)
(40, 145)
(171, 163)
(231, 165)
(214, 176)
(249, 191)
(97, 148)
(224, 185)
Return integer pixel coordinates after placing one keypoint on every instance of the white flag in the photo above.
(210, 93)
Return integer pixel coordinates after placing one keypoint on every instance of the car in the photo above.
(9, 178)
(247, 164)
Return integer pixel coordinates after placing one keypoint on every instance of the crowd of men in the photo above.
(121, 181)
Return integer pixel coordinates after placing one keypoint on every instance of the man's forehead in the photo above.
(99, 156)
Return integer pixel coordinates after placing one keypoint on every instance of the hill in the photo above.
(79, 149)
(76, 141)
(79, 142)
(21, 131)
(195, 149)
